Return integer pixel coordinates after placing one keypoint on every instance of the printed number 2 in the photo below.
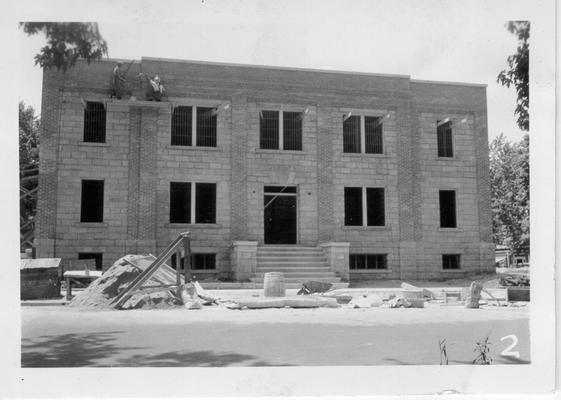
(508, 351)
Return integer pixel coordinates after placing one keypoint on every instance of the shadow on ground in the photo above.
(194, 359)
(69, 350)
(96, 349)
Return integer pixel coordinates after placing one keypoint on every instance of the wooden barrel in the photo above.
(273, 284)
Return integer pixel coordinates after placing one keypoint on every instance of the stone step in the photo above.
(290, 254)
(289, 270)
(313, 263)
(281, 257)
(300, 281)
(297, 274)
(298, 285)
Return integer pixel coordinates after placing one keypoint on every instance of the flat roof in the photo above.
(224, 64)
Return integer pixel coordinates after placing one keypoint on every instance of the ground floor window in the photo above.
(364, 206)
(198, 261)
(98, 257)
(368, 261)
(192, 203)
(91, 202)
(451, 261)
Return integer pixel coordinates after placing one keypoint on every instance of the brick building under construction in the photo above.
(323, 175)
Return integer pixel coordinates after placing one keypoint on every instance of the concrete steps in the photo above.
(297, 263)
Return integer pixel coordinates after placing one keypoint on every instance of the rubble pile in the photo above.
(103, 290)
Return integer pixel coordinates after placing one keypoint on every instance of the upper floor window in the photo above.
(94, 122)
(193, 126)
(444, 138)
(363, 134)
(91, 206)
(447, 200)
(192, 203)
(364, 206)
(280, 130)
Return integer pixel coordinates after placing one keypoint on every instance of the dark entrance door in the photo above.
(280, 215)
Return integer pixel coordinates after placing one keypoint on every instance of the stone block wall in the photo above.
(138, 162)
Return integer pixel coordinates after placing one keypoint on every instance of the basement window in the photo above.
(451, 261)
(444, 138)
(98, 257)
(94, 122)
(280, 130)
(91, 206)
(363, 134)
(365, 206)
(185, 211)
(194, 126)
(368, 261)
(205, 261)
(447, 200)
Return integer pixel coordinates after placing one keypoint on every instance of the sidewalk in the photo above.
(233, 294)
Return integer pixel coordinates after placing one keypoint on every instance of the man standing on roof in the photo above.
(117, 84)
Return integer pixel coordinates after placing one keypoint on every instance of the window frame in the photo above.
(193, 203)
(195, 137)
(451, 256)
(364, 207)
(88, 124)
(173, 261)
(281, 129)
(365, 262)
(362, 133)
(448, 150)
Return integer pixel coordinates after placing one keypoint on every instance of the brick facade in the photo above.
(137, 164)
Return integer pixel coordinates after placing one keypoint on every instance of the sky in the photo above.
(432, 39)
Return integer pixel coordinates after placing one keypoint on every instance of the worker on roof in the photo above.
(156, 89)
(118, 81)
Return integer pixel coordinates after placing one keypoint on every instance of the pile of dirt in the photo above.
(103, 290)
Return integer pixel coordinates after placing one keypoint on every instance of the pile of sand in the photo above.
(103, 290)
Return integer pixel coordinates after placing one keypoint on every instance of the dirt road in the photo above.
(58, 336)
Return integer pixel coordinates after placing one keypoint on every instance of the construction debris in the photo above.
(293, 302)
(157, 292)
(366, 301)
(398, 302)
(311, 287)
(473, 295)
(423, 292)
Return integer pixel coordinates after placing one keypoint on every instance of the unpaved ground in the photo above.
(67, 337)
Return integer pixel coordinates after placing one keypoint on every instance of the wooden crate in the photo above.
(39, 279)
(516, 293)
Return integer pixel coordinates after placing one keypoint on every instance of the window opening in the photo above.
(181, 126)
(444, 137)
(92, 201)
(98, 257)
(447, 209)
(451, 261)
(94, 122)
(180, 202)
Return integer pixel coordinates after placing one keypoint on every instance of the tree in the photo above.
(517, 72)
(67, 42)
(510, 192)
(28, 164)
